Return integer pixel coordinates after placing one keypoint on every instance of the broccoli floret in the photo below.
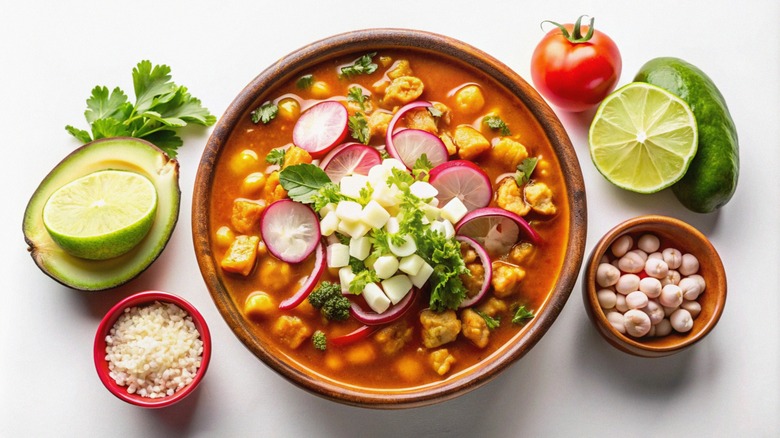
(331, 303)
(319, 340)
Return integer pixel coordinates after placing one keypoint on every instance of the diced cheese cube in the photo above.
(337, 255)
(377, 176)
(330, 206)
(407, 248)
(419, 279)
(386, 266)
(351, 185)
(397, 287)
(434, 202)
(454, 210)
(353, 229)
(374, 215)
(392, 226)
(423, 190)
(375, 298)
(345, 278)
(411, 264)
(391, 163)
(329, 224)
(447, 228)
(360, 247)
(348, 211)
(431, 212)
(386, 196)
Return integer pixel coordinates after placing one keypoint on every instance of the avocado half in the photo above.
(119, 153)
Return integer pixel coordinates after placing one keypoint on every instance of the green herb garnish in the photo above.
(305, 82)
(355, 94)
(494, 122)
(362, 65)
(275, 156)
(422, 167)
(521, 315)
(160, 109)
(304, 181)
(435, 112)
(492, 323)
(525, 169)
(358, 128)
(361, 280)
(265, 113)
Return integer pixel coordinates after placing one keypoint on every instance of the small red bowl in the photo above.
(141, 299)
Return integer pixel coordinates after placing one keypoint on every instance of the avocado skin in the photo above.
(711, 179)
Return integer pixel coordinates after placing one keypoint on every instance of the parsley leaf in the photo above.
(275, 156)
(362, 65)
(521, 314)
(305, 82)
(492, 323)
(358, 128)
(355, 94)
(160, 108)
(265, 113)
(328, 193)
(525, 169)
(380, 242)
(422, 167)
(303, 181)
(494, 122)
(361, 280)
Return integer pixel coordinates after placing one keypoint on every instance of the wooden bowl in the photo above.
(362, 42)
(685, 238)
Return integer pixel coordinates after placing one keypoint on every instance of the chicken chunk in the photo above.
(393, 338)
(402, 67)
(377, 123)
(295, 155)
(508, 152)
(446, 138)
(506, 279)
(246, 216)
(291, 331)
(510, 198)
(273, 190)
(539, 197)
(241, 255)
(422, 119)
(475, 328)
(470, 142)
(520, 252)
(439, 328)
(473, 282)
(441, 361)
(403, 90)
(275, 274)
(446, 114)
(469, 99)
(493, 307)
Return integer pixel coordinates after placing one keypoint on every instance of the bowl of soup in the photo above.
(389, 218)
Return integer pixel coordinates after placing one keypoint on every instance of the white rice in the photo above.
(154, 350)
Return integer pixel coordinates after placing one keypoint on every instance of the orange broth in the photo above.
(363, 363)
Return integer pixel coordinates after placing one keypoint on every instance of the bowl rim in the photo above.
(108, 321)
(626, 343)
(446, 48)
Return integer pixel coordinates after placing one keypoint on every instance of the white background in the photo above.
(571, 384)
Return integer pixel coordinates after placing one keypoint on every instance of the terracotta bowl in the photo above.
(139, 300)
(684, 237)
(361, 42)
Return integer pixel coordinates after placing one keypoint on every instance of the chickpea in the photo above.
(258, 305)
(671, 296)
(672, 257)
(636, 300)
(245, 162)
(640, 253)
(654, 311)
(607, 298)
(253, 184)
(637, 323)
(693, 307)
(649, 243)
(620, 303)
(469, 99)
(657, 268)
(621, 245)
(607, 275)
(663, 328)
(681, 320)
(632, 262)
(651, 287)
(627, 283)
(289, 109)
(672, 277)
(616, 320)
(224, 236)
(689, 265)
(655, 255)
(320, 90)
(691, 288)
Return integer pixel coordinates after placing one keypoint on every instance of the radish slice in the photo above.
(307, 283)
(350, 159)
(462, 179)
(352, 337)
(486, 264)
(496, 229)
(395, 312)
(321, 127)
(410, 144)
(290, 230)
(389, 142)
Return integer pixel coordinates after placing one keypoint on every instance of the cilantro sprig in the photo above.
(359, 129)
(265, 113)
(161, 107)
(497, 124)
(525, 169)
(362, 65)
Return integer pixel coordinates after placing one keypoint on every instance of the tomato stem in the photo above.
(575, 37)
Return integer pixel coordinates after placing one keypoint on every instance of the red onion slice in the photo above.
(395, 312)
(389, 146)
(353, 336)
(487, 265)
(306, 284)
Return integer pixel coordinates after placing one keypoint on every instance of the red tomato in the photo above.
(575, 72)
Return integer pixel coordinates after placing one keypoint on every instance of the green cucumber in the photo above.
(711, 179)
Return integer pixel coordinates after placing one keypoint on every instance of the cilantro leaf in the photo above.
(525, 169)
(362, 65)
(80, 134)
(358, 128)
(102, 105)
(492, 323)
(275, 156)
(303, 181)
(422, 167)
(305, 82)
(328, 193)
(361, 280)
(150, 83)
(265, 113)
(494, 122)
(166, 140)
(355, 94)
(521, 314)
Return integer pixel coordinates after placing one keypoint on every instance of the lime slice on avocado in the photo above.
(643, 138)
(101, 215)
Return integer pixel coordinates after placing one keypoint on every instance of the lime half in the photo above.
(101, 215)
(643, 138)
